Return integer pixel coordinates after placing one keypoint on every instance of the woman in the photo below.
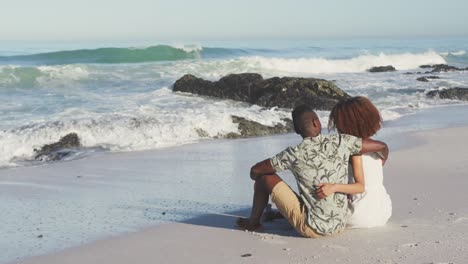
(357, 116)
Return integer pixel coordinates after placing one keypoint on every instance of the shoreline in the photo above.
(418, 121)
(429, 223)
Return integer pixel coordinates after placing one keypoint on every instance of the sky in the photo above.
(65, 20)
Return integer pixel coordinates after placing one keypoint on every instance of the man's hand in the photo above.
(369, 145)
(325, 190)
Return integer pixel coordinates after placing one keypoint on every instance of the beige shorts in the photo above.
(293, 209)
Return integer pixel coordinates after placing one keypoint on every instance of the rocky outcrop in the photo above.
(286, 92)
(249, 128)
(425, 66)
(426, 78)
(456, 93)
(388, 68)
(58, 150)
(442, 68)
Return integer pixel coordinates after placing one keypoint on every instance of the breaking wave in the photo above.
(107, 55)
(361, 63)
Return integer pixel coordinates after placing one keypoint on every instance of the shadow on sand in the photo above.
(228, 221)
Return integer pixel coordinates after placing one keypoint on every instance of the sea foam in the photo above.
(361, 63)
(149, 126)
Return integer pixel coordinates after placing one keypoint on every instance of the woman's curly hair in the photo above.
(355, 116)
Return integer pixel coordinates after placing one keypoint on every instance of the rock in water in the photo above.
(442, 68)
(290, 92)
(388, 68)
(426, 78)
(249, 128)
(422, 79)
(445, 68)
(456, 93)
(58, 150)
(425, 66)
(286, 92)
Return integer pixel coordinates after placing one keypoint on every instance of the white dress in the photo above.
(373, 207)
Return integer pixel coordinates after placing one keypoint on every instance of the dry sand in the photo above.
(428, 185)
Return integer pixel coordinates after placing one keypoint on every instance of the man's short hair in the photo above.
(298, 117)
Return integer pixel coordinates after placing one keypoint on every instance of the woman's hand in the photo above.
(325, 190)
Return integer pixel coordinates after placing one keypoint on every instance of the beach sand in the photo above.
(427, 182)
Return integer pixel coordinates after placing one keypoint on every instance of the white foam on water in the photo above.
(388, 115)
(361, 63)
(155, 124)
(453, 53)
(63, 72)
(459, 53)
(41, 76)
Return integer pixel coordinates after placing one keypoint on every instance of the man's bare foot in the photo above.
(245, 224)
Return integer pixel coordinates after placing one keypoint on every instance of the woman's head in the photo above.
(355, 116)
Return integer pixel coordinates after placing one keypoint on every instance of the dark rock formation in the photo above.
(249, 128)
(426, 78)
(442, 68)
(456, 93)
(388, 68)
(286, 92)
(58, 150)
(425, 66)
(411, 73)
(422, 79)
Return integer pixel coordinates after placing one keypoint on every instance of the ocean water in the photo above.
(118, 97)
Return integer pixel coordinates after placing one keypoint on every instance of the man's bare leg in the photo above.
(262, 190)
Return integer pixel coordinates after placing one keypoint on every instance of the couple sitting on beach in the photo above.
(320, 165)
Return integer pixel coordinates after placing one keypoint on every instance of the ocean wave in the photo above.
(453, 53)
(459, 57)
(15, 76)
(125, 55)
(28, 77)
(108, 55)
(147, 127)
(458, 53)
(405, 61)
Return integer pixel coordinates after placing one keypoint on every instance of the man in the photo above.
(316, 160)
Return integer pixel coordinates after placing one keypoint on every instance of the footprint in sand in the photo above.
(272, 239)
(409, 245)
(460, 220)
(338, 247)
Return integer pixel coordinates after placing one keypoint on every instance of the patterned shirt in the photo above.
(321, 159)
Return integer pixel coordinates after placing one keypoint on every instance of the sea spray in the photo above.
(361, 63)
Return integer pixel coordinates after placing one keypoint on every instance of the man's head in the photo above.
(306, 122)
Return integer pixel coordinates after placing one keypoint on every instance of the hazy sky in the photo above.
(221, 19)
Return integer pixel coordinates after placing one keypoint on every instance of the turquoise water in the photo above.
(117, 96)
